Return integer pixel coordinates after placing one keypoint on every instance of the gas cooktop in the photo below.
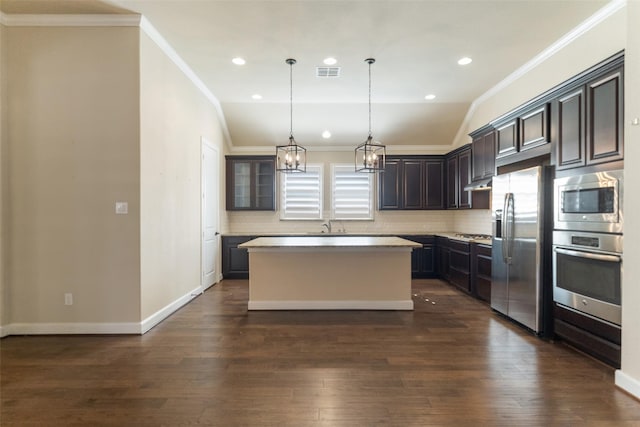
(474, 236)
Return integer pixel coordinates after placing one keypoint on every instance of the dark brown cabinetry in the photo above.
(599, 339)
(459, 265)
(250, 183)
(589, 120)
(534, 127)
(412, 183)
(458, 176)
(507, 138)
(452, 182)
(578, 123)
(423, 260)
(235, 260)
(520, 133)
(570, 146)
(483, 154)
(390, 185)
(481, 271)
(442, 257)
(467, 265)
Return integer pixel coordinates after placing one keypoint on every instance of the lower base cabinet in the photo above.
(423, 260)
(467, 265)
(596, 338)
(459, 264)
(481, 271)
(235, 260)
(442, 258)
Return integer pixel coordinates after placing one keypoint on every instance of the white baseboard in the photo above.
(218, 279)
(628, 384)
(168, 310)
(72, 328)
(331, 305)
(99, 328)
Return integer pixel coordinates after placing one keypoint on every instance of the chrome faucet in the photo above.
(328, 225)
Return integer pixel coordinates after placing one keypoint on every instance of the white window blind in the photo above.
(301, 194)
(352, 193)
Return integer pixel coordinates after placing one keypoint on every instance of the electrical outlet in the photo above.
(122, 208)
(68, 299)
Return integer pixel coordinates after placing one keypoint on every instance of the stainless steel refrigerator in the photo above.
(518, 257)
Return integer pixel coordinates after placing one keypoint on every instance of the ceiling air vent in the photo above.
(327, 71)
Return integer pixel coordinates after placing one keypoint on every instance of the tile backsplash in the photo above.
(395, 222)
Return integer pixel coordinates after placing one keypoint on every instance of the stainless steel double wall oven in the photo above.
(587, 243)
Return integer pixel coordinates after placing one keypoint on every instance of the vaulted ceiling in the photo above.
(416, 45)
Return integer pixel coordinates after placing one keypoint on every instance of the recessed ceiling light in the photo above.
(256, 96)
(464, 61)
(330, 61)
(326, 134)
(238, 61)
(430, 96)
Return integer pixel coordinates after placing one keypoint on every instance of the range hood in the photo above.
(481, 184)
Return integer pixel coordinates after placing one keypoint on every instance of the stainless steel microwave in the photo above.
(589, 202)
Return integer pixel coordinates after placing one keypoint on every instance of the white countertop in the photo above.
(330, 241)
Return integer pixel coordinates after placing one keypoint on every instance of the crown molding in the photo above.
(391, 149)
(164, 45)
(52, 20)
(584, 27)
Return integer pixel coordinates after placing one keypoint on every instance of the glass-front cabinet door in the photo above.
(250, 182)
(242, 184)
(265, 184)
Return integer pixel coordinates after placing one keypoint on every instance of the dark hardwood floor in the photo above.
(451, 362)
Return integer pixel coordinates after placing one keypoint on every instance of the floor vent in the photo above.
(327, 71)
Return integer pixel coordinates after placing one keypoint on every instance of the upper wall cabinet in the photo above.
(250, 183)
(589, 121)
(458, 176)
(483, 154)
(534, 127)
(411, 183)
(527, 130)
(507, 138)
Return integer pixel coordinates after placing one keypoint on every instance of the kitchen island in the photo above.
(330, 273)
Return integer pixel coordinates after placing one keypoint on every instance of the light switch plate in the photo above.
(122, 208)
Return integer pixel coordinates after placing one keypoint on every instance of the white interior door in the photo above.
(210, 204)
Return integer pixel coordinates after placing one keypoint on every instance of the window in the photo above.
(301, 194)
(351, 193)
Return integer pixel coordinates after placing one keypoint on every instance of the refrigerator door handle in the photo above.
(508, 224)
(503, 222)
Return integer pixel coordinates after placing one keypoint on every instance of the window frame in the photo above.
(344, 167)
(284, 214)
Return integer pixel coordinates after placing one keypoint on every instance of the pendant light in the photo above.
(370, 155)
(291, 157)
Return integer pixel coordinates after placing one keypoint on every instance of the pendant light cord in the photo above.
(369, 99)
(291, 62)
(369, 61)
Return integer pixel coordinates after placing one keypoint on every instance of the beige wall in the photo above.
(73, 133)
(174, 117)
(3, 183)
(631, 288)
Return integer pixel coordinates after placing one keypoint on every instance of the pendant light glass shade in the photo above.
(292, 157)
(370, 155)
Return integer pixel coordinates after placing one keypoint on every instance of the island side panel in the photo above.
(366, 278)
